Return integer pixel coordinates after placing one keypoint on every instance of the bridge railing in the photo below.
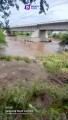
(35, 24)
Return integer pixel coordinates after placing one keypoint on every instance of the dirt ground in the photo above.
(59, 78)
(14, 73)
(17, 72)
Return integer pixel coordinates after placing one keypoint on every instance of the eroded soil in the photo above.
(14, 72)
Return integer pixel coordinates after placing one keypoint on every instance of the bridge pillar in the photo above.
(39, 35)
(35, 33)
(35, 36)
(43, 35)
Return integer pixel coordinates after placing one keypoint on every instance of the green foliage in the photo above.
(21, 97)
(62, 36)
(5, 6)
(58, 35)
(64, 40)
(28, 34)
(19, 33)
(7, 58)
(2, 37)
(22, 33)
(42, 3)
(5, 10)
(54, 63)
(54, 35)
(18, 58)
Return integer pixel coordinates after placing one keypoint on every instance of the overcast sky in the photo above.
(58, 10)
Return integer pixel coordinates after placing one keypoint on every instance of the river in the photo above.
(17, 47)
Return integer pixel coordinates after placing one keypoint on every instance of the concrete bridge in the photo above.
(40, 31)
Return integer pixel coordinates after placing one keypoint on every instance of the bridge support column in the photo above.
(39, 35)
(35, 36)
(43, 35)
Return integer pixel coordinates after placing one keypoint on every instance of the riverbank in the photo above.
(38, 83)
(33, 86)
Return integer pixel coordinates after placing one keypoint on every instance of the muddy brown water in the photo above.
(17, 47)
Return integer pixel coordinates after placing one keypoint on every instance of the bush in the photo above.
(57, 36)
(23, 97)
(27, 34)
(54, 63)
(62, 36)
(2, 37)
(64, 40)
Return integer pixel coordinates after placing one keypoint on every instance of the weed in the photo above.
(54, 63)
(21, 98)
(2, 37)
(18, 58)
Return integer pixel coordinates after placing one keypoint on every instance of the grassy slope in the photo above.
(54, 63)
(26, 97)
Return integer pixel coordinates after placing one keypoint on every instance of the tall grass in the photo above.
(18, 58)
(23, 98)
(2, 37)
(55, 63)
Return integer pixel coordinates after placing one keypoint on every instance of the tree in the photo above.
(5, 10)
(5, 6)
(42, 2)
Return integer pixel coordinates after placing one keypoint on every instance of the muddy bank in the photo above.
(21, 74)
(14, 72)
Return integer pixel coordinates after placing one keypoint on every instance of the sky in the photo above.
(58, 10)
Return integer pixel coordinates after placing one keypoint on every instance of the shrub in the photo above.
(22, 97)
(2, 37)
(18, 58)
(64, 40)
(27, 34)
(54, 63)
